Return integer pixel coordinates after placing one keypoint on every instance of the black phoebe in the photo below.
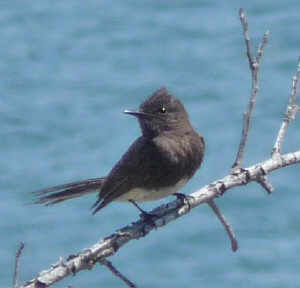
(156, 165)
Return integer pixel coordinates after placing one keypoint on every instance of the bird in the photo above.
(157, 164)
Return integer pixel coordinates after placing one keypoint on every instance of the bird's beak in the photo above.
(133, 113)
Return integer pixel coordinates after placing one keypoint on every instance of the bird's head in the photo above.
(159, 113)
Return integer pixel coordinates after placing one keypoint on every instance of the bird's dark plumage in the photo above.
(157, 164)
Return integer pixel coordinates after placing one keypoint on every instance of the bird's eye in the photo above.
(163, 110)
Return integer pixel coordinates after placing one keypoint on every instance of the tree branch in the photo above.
(254, 67)
(165, 214)
(234, 243)
(17, 265)
(290, 114)
(115, 271)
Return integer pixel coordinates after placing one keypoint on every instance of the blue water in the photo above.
(67, 71)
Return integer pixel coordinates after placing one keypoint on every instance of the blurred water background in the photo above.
(67, 71)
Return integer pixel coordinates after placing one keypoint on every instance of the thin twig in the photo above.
(224, 222)
(254, 66)
(17, 264)
(289, 115)
(261, 47)
(116, 272)
(246, 36)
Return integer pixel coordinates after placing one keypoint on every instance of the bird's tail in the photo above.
(56, 194)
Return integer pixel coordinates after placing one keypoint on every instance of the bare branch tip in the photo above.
(242, 13)
(226, 225)
(243, 19)
(234, 245)
(17, 263)
(298, 72)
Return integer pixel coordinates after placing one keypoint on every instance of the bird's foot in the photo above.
(147, 217)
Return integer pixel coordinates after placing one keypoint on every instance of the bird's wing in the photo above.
(136, 167)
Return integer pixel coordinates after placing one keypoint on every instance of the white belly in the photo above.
(142, 195)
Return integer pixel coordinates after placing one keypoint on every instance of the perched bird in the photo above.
(159, 163)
